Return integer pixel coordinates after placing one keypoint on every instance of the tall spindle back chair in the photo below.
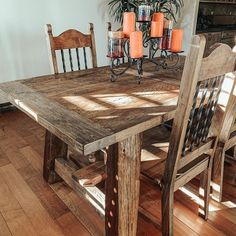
(74, 44)
(227, 140)
(192, 140)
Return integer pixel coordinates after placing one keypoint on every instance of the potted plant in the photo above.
(171, 8)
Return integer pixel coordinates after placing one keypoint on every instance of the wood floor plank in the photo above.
(14, 216)
(7, 201)
(33, 157)
(51, 202)
(150, 200)
(71, 225)
(3, 160)
(36, 143)
(4, 230)
(19, 223)
(25, 198)
(30, 203)
(12, 153)
(13, 137)
(84, 212)
(221, 223)
(193, 221)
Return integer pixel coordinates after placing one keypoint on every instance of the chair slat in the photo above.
(71, 61)
(85, 59)
(78, 59)
(63, 60)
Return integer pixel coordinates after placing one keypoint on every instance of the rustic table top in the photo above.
(89, 112)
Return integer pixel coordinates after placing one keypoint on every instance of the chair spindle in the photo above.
(63, 60)
(71, 62)
(78, 60)
(85, 59)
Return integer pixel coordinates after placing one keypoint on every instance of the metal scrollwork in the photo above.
(165, 59)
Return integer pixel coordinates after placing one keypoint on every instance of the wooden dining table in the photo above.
(87, 112)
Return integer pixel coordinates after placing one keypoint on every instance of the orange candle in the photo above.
(176, 40)
(136, 44)
(158, 16)
(156, 29)
(128, 23)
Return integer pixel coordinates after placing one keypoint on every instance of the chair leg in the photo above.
(234, 152)
(167, 212)
(218, 174)
(204, 191)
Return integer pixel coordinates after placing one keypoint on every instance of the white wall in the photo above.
(188, 20)
(23, 47)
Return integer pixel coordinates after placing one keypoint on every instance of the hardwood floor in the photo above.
(28, 206)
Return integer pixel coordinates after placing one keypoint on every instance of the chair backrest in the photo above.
(69, 44)
(228, 115)
(200, 88)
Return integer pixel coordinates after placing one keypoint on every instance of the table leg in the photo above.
(54, 148)
(122, 187)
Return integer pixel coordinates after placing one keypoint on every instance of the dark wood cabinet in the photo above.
(227, 37)
(211, 39)
(219, 1)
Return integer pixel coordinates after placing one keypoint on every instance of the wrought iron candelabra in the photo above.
(154, 45)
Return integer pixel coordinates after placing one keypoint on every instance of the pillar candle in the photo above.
(136, 44)
(158, 16)
(156, 29)
(128, 23)
(176, 40)
(168, 26)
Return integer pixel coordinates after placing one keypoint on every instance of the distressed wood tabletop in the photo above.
(88, 112)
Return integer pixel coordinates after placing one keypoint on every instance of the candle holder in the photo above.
(118, 67)
(165, 60)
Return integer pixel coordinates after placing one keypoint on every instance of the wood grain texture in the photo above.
(89, 112)
(93, 195)
(72, 129)
(90, 175)
(129, 157)
(54, 148)
(29, 202)
(83, 211)
(186, 220)
(111, 199)
(4, 230)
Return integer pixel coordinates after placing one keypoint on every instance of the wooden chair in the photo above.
(232, 135)
(66, 43)
(227, 140)
(71, 40)
(173, 160)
